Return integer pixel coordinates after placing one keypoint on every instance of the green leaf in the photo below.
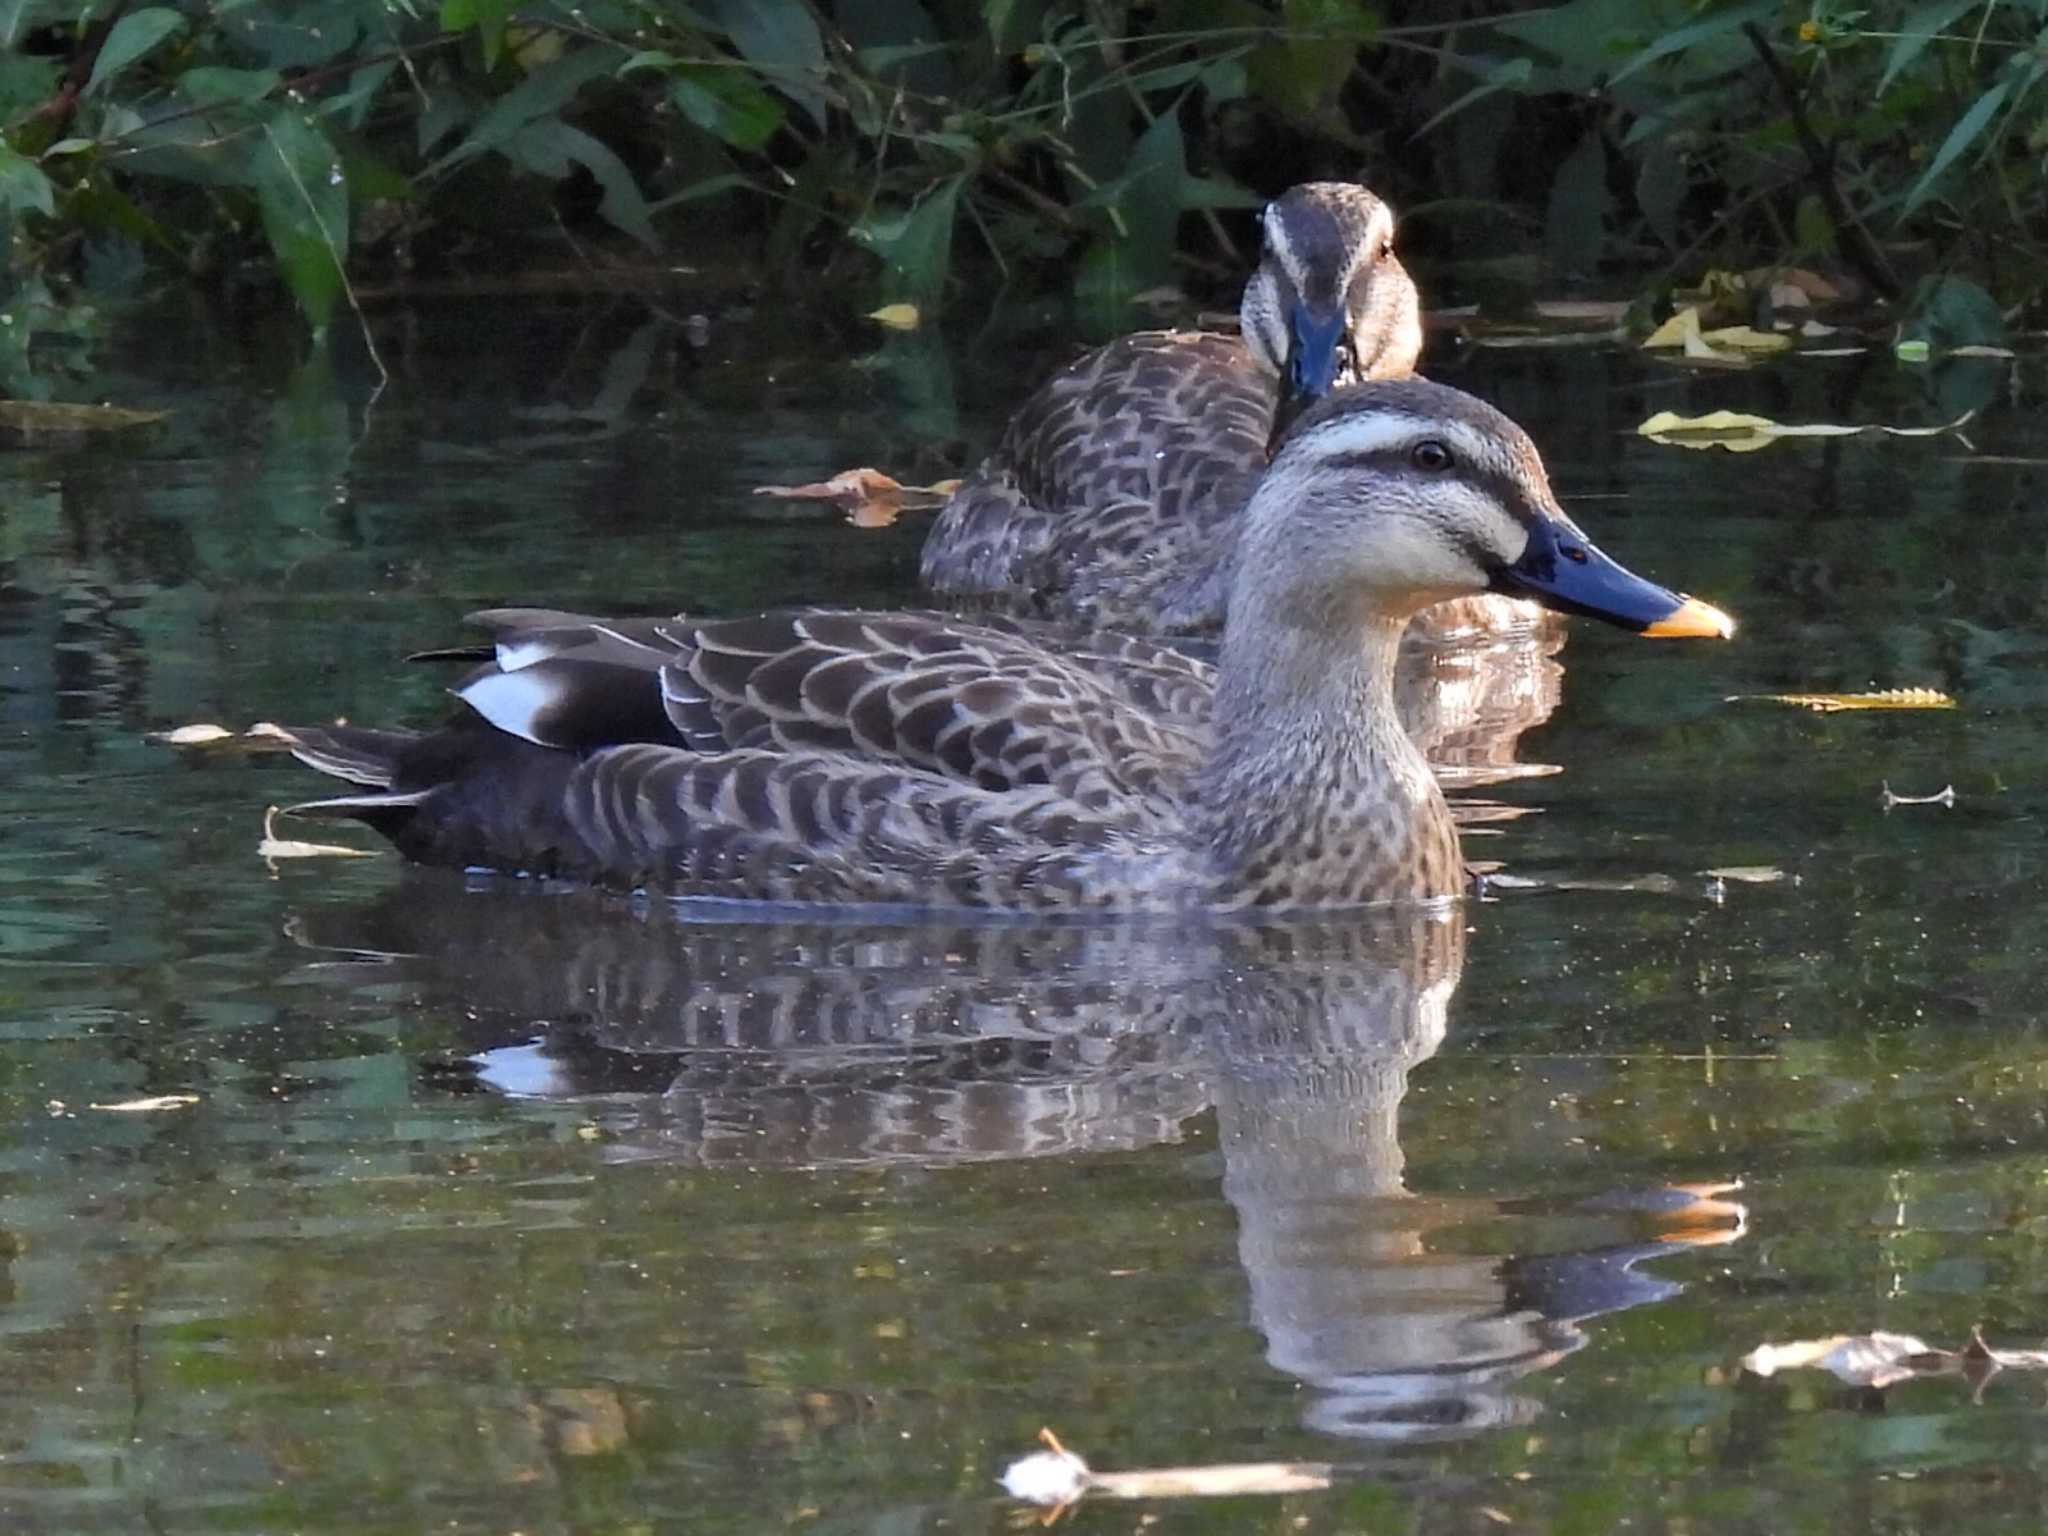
(303, 196)
(1946, 312)
(780, 38)
(1575, 225)
(1660, 188)
(1683, 38)
(549, 149)
(353, 105)
(25, 81)
(133, 37)
(23, 186)
(1916, 31)
(916, 246)
(539, 95)
(212, 87)
(1960, 138)
(487, 17)
(726, 103)
(1149, 196)
(1508, 75)
(1317, 47)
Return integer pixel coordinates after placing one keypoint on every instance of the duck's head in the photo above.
(1396, 494)
(1329, 304)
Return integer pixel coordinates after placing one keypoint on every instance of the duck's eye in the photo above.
(1430, 456)
(1573, 553)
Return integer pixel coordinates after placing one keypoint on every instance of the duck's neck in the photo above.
(1313, 793)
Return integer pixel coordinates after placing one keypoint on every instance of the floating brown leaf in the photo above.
(1831, 703)
(869, 498)
(1739, 432)
(59, 416)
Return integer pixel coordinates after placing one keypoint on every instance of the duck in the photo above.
(839, 757)
(1113, 497)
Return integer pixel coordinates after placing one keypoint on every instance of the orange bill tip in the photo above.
(1692, 620)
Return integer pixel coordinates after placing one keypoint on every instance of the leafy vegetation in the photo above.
(1096, 147)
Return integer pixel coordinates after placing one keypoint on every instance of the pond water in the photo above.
(456, 1205)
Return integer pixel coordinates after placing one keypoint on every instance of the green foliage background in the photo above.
(895, 149)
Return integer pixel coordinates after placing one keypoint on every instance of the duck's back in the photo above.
(1111, 497)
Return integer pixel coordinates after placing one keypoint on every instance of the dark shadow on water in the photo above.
(844, 1045)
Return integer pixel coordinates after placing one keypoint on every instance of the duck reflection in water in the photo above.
(870, 1045)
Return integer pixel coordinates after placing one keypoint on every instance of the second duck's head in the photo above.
(1330, 303)
(1396, 494)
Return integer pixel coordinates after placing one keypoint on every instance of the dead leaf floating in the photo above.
(897, 317)
(59, 416)
(1739, 432)
(273, 847)
(1834, 703)
(149, 1105)
(869, 498)
(1881, 1359)
(1734, 346)
(1945, 797)
(1055, 1478)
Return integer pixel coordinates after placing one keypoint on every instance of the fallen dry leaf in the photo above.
(1738, 432)
(897, 317)
(1055, 1478)
(149, 1105)
(1861, 1360)
(59, 416)
(192, 735)
(1830, 703)
(1945, 797)
(1880, 1359)
(869, 498)
(273, 847)
(1732, 346)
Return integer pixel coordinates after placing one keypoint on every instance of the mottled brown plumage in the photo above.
(1114, 496)
(845, 757)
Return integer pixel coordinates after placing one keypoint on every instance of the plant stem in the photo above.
(1851, 238)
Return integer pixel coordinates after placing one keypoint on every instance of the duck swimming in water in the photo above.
(839, 757)
(1114, 496)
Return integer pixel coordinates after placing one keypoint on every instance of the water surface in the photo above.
(511, 1208)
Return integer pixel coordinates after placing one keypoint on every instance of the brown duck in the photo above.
(846, 757)
(1115, 494)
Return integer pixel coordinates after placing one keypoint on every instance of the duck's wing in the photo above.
(1107, 458)
(990, 705)
(820, 755)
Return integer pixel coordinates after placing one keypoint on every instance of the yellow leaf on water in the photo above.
(1741, 433)
(1743, 338)
(274, 847)
(1680, 330)
(897, 317)
(1733, 430)
(1831, 703)
(58, 416)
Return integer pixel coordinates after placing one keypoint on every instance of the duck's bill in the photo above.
(1316, 346)
(1564, 571)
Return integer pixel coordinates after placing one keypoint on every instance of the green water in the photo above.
(512, 1210)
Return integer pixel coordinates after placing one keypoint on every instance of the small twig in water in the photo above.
(1946, 798)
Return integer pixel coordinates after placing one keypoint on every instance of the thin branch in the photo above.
(1851, 237)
